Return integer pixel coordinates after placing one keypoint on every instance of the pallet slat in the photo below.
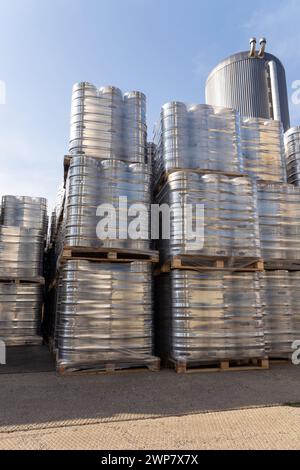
(211, 263)
(182, 367)
(33, 341)
(280, 360)
(108, 254)
(152, 365)
(286, 265)
(23, 280)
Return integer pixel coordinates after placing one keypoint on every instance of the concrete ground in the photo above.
(144, 410)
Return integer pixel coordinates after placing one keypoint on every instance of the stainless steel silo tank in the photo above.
(253, 83)
(292, 155)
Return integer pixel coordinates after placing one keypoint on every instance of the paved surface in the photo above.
(34, 401)
(147, 410)
(27, 360)
(264, 428)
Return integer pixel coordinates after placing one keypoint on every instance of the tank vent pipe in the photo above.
(262, 49)
(252, 47)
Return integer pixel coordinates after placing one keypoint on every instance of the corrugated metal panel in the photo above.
(242, 83)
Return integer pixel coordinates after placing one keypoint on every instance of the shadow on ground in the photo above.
(26, 360)
(43, 399)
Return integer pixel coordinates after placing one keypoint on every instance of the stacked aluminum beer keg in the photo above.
(290, 220)
(278, 203)
(262, 144)
(279, 223)
(208, 309)
(23, 230)
(102, 289)
(292, 155)
(263, 149)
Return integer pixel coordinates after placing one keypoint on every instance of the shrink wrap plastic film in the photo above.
(151, 149)
(207, 316)
(279, 221)
(107, 124)
(294, 277)
(263, 149)
(49, 316)
(21, 252)
(22, 236)
(104, 313)
(92, 182)
(292, 155)
(20, 312)
(23, 211)
(22, 241)
(197, 137)
(230, 215)
(276, 295)
(57, 214)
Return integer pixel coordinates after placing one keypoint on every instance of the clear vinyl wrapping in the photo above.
(208, 316)
(107, 124)
(92, 183)
(263, 149)
(279, 221)
(20, 313)
(104, 314)
(292, 155)
(230, 219)
(197, 136)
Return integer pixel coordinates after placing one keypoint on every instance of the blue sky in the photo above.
(164, 48)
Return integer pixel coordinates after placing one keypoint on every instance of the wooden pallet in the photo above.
(164, 178)
(108, 254)
(280, 360)
(32, 341)
(152, 365)
(182, 367)
(203, 263)
(23, 280)
(282, 264)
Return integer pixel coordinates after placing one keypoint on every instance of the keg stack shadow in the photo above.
(100, 296)
(213, 308)
(23, 232)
